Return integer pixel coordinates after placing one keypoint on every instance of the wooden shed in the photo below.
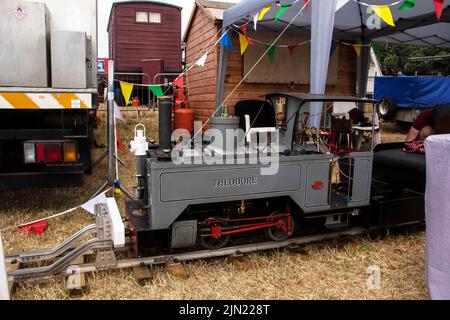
(141, 31)
(287, 73)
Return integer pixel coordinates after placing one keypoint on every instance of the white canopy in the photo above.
(354, 21)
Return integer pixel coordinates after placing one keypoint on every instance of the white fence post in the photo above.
(4, 290)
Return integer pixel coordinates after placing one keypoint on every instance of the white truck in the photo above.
(48, 91)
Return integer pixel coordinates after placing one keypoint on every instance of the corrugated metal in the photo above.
(131, 42)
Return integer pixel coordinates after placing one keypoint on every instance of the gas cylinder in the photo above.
(184, 119)
(135, 102)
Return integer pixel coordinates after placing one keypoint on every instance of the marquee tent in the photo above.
(343, 20)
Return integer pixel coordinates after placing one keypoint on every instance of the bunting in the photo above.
(243, 42)
(281, 11)
(117, 112)
(264, 11)
(201, 62)
(292, 48)
(38, 227)
(179, 82)
(226, 41)
(255, 21)
(271, 52)
(384, 12)
(156, 90)
(377, 49)
(358, 48)
(407, 5)
(127, 89)
(438, 6)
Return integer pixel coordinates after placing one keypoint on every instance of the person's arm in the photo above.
(412, 134)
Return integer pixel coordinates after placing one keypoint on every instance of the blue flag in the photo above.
(333, 47)
(226, 41)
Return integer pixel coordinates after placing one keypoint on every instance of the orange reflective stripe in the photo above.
(65, 100)
(19, 101)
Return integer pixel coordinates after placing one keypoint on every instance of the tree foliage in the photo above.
(394, 58)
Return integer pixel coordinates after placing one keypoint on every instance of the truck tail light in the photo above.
(29, 152)
(48, 152)
(70, 152)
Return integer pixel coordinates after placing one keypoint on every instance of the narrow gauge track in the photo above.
(64, 266)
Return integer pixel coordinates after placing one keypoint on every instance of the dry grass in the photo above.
(329, 270)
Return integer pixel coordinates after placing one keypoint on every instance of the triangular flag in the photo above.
(292, 48)
(281, 12)
(127, 89)
(157, 91)
(340, 4)
(384, 12)
(179, 82)
(90, 205)
(244, 30)
(244, 43)
(438, 6)
(264, 11)
(307, 3)
(358, 48)
(255, 20)
(117, 112)
(271, 52)
(120, 145)
(407, 5)
(333, 47)
(37, 227)
(201, 62)
(226, 41)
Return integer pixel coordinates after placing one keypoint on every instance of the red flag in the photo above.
(120, 145)
(307, 3)
(244, 30)
(438, 6)
(38, 227)
(179, 82)
(292, 48)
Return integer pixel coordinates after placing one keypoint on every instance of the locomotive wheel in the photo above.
(277, 233)
(209, 242)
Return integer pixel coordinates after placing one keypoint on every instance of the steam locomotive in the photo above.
(219, 190)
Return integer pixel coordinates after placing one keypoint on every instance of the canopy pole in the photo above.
(362, 72)
(221, 78)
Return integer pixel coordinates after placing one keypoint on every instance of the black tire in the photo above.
(387, 108)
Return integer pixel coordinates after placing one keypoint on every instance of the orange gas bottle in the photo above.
(184, 119)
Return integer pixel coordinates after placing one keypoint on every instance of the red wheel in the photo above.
(283, 230)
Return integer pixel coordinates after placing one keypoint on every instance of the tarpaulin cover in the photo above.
(437, 215)
(417, 92)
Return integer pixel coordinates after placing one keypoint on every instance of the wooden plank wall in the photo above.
(346, 81)
(202, 80)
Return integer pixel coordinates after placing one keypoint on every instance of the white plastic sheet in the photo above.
(437, 214)
(322, 23)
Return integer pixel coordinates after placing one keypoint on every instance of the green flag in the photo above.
(271, 52)
(157, 91)
(407, 5)
(281, 12)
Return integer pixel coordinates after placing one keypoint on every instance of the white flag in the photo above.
(255, 20)
(341, 3)
(90, 205)
(201, 62)
(117, 113)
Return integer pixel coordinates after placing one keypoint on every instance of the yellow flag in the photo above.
(357, 48)
(264, 11)
(127, 89)
(384, 12)
(244, 43)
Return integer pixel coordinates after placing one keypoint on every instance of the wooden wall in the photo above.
(202, 80)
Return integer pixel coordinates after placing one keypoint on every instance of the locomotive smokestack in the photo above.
(165, 122)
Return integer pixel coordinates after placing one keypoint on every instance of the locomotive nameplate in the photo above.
(226, 182)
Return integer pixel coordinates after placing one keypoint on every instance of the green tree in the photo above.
(396, 57)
